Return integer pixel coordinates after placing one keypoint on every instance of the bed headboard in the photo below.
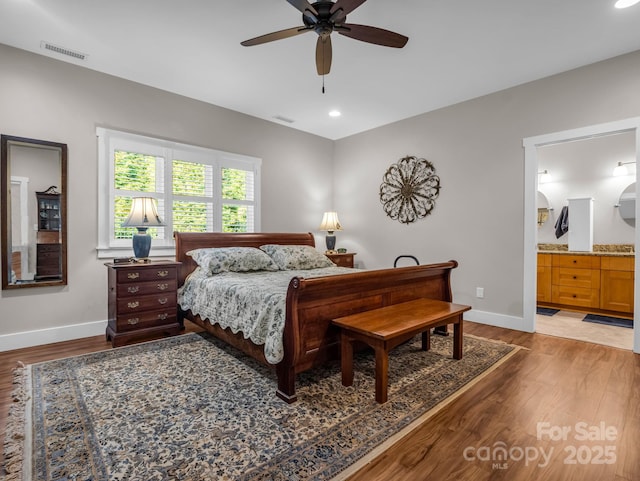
(186, 241)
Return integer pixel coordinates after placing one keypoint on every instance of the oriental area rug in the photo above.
(191, 408)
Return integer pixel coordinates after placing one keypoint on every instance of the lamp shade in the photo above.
(330, 222)
(144, 214)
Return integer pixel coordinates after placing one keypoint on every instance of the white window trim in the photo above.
(110, 140)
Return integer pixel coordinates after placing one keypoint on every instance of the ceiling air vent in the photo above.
(283, 119)
(63, 51)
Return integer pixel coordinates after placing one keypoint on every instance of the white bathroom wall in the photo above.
(585, 169)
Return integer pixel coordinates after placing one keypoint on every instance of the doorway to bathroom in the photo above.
(585, 278)
(583, 160)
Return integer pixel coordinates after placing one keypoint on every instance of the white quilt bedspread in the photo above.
(252, 303)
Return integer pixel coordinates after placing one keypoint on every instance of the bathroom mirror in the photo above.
(543, 209)
(33, 175)
(627, 205)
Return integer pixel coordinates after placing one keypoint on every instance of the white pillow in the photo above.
(296, 257)
(234, 259)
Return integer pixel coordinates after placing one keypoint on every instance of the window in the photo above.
(197, 190)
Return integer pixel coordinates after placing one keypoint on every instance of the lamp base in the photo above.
(141, 244)
(331, 242)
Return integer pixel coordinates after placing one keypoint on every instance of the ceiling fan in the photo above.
(325, 17)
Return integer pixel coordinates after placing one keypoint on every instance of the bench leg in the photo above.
(382, 374)
(426, 340)
(457, 338)
(346, 360)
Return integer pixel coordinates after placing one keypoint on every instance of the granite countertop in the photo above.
(613, 250)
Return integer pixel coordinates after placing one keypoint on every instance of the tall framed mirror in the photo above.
(33, 175)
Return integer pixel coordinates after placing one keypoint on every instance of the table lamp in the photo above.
(330, 223)
(144, 214)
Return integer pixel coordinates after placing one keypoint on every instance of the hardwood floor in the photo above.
(554, 384)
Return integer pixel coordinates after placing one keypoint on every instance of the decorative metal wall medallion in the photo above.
(409, 189)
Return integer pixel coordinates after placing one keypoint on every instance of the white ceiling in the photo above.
(457, 50)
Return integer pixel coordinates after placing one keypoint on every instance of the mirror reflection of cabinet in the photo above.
(48, 243)
(33, 206)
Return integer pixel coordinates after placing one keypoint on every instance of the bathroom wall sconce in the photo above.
(544, 176)
(621, 168)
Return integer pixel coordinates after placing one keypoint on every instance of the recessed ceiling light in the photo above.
(336, 113)
(625, 3)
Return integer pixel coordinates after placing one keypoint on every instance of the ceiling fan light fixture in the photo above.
(325, 17)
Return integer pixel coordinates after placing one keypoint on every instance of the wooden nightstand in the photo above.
(342, 260)
(142, 300)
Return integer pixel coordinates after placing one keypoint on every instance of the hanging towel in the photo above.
(562, 224)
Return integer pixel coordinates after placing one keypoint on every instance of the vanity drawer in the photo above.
(566, 276)
(611, 263)
(577, 262)
(575, 296)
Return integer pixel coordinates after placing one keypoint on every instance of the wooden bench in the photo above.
(387, 327)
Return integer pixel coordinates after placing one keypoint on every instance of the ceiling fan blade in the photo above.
(279, 35)
(376, 35)
(324, 53)
(305, 7)
(342, 8)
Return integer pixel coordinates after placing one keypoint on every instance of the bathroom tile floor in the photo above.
(570, 325)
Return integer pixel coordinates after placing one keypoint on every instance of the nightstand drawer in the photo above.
(142, 320)
(342, 260)
(146, 288)
(145, 303)
(146, 273)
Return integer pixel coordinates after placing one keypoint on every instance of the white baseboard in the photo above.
(20, 340)
(498, 320)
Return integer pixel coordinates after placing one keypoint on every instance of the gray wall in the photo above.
(46, 99)
(476, 147)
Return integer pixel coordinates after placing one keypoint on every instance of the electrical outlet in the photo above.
(480, 292)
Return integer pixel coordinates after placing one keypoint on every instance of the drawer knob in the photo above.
(575, 277)
(133, 289)
(575, 261)
(133, 305)
(163, 300)
(133, 321)
(573, 295)
(163, 287)
(133, 275)
(163, 273)
(163, 316)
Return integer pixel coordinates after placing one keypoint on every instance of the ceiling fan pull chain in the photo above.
(323, 84)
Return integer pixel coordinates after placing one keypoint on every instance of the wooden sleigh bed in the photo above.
(309, 339)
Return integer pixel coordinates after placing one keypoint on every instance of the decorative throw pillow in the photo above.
(291, 257)
(234, 259)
